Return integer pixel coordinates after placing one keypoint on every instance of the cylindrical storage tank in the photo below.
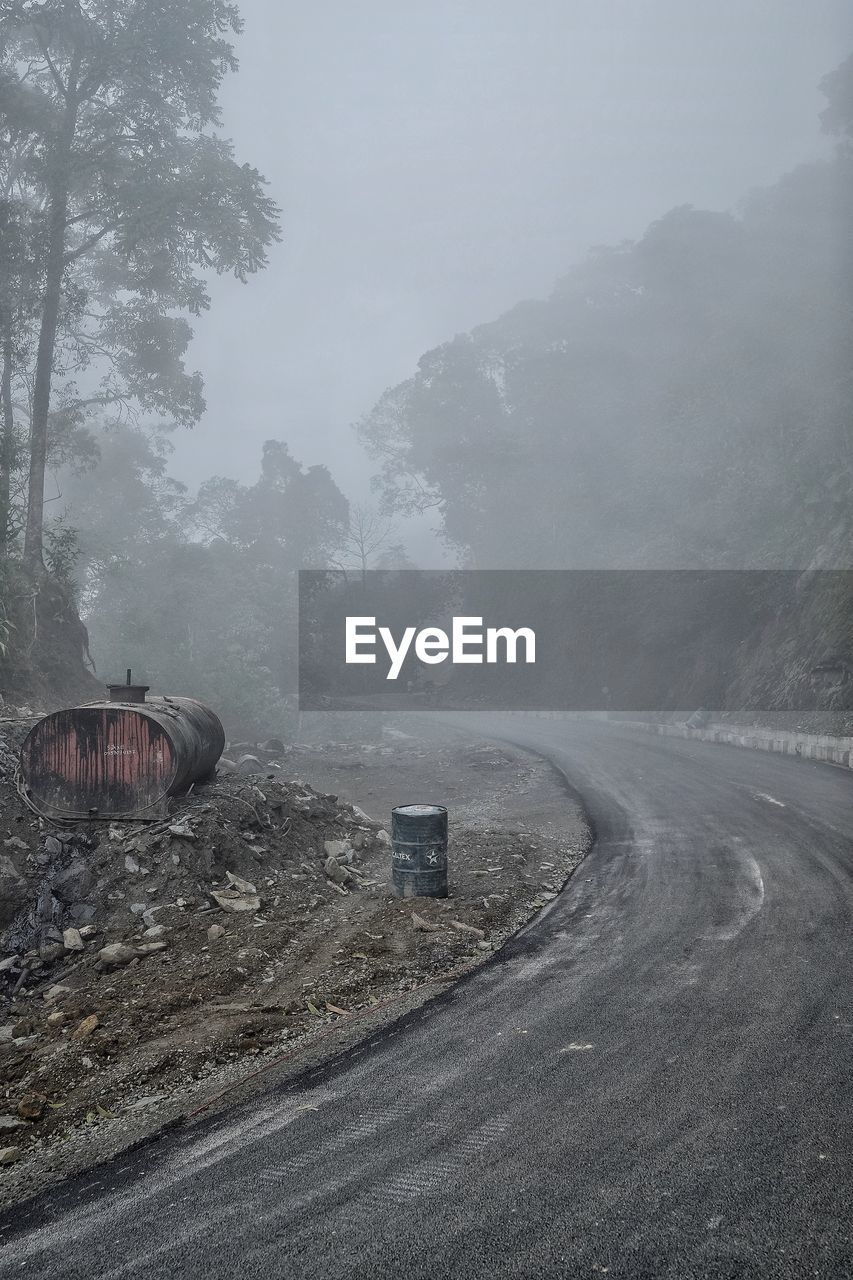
(116, 759)
(419, 851)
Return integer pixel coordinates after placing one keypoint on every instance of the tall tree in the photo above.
(138, 194)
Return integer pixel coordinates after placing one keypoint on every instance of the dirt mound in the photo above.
(141, 963)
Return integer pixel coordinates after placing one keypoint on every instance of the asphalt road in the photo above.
(652, 1080)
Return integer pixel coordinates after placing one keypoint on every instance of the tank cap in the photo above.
(128, 692)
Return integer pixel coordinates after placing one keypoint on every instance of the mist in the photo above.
(477, 287)
(437, 166)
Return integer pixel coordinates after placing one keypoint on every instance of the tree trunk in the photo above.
(7, 438)
(55, 270)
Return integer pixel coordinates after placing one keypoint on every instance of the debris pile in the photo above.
(139, 961)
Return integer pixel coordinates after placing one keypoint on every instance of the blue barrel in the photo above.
(419, 851)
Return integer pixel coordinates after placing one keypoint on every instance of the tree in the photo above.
(681, 401)
(114, 103)
(368, 534)
(197, 595)
(837, 88)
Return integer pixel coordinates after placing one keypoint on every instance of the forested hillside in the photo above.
(680, 401)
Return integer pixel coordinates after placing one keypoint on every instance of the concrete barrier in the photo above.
(808, 746)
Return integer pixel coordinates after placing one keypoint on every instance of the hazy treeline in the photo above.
(680, 401)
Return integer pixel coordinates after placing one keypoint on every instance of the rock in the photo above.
(151, 948)
(56, 1018)
(382, 837)
(154, 931)
(55, 993)
(235, 882)
(425, 926)
(312, 808)
(215, 932)
(240, 895)
(336, 848)
(87, 931)
(143, 1103)
(72, 940)
(51, 952)
(7, 1033)
(31, 1106)
(8, 1155)
(336, 873)
(468, 928)
(86, 1027)
(74, 883)
(52, 846)
(9, 1123)
(82, 913)
(11, 962)
(15, 842)
(12, 890)
(48, 908)
(362, 816)
(235, 901)
(249, 764)
(182, 831)
(115, 955)
(130, 864)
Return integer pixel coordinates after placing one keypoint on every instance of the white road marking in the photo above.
(762, 795)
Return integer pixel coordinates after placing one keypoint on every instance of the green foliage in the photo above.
(119, 198)
(62, 550)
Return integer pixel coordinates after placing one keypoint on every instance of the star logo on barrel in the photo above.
(432, 857)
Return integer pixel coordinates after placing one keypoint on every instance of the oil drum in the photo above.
(419, 851)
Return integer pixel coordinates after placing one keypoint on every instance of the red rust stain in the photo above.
(110, 759)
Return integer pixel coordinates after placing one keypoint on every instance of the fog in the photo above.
(556, 286)
(437, 164)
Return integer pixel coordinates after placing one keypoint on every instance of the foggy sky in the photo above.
(438, 163)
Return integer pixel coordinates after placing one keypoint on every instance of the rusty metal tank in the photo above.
(119, 759)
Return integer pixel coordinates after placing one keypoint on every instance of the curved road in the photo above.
(651, 1080)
